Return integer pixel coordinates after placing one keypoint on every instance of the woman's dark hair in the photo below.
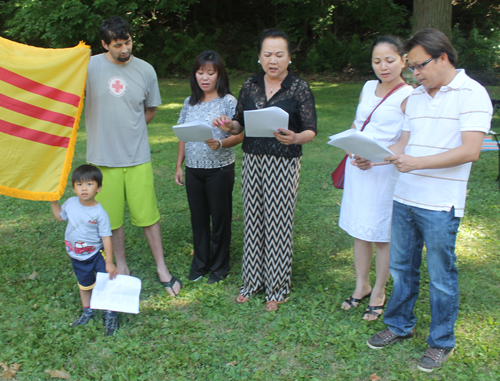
(274, 33)
(395, 42)
(87, 172)
(391, 40)
(114, 28)
(222, 86)
(434, 42)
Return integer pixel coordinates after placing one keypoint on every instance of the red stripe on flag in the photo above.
(33, 135)
(36, 112)
(38, 88)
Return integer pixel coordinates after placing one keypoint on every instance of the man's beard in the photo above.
(124, 59)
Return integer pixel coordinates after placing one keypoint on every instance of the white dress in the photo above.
(366, 208)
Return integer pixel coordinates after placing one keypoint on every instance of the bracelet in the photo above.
(220, 144)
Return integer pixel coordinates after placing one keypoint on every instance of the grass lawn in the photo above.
(203, 334)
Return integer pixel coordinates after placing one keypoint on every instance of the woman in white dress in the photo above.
(366, 208)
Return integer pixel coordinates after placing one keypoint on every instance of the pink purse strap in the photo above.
(382, 101)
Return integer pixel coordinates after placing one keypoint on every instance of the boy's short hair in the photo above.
(87, 172)
(114, 28)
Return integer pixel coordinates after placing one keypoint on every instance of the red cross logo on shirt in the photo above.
(117, 86)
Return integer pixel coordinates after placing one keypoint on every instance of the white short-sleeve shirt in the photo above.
(435, 126)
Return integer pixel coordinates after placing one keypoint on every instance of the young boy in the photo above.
(87, 233)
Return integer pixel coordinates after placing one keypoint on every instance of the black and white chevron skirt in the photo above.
(270, 186)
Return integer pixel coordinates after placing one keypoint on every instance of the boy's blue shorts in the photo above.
(85, 270)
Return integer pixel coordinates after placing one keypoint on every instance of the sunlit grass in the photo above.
(170, 106)
(203, 334)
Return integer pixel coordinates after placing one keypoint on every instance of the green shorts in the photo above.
(134, 185)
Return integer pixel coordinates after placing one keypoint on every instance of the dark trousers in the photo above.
(210, 196)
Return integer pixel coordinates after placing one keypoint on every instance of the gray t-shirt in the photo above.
(198, 154)
(116, 95)
(86, 226)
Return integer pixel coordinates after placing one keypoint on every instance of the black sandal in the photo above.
(350, 300)
(371, 311)
(171, 284)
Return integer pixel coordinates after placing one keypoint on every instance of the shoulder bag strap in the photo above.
(382, 101)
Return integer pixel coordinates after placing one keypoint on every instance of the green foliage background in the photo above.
(327, 35)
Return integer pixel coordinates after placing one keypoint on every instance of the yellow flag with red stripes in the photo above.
(41, 100)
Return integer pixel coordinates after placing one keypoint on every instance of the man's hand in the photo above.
(404, 163)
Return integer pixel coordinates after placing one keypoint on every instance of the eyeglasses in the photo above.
(419, 67)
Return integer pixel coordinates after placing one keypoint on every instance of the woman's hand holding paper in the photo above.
(285, 137)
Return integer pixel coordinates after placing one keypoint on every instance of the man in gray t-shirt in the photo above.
(122, 96)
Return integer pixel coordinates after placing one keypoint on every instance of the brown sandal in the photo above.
(242, 299)
(273, 305)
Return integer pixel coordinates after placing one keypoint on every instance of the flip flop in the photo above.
(171, 284)
(371, 311)
(350, 300)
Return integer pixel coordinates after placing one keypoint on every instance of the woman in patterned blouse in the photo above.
(209, 168)
(270, 173)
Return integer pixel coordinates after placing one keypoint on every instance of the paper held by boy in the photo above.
(263, 123)
(120, 294)
(195, 131)
(360, 144)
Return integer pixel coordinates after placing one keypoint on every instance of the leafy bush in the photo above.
(178, 52)
(327, 35)
(332, 55)
(476, 51)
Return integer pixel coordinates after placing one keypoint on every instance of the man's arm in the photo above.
(467, 152)
(150, 113)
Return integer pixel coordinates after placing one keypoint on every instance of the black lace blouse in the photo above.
(295, 97)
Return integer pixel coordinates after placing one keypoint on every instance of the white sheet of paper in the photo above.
(120, 294)
(195, 131)
(360, 144)
(263, 123)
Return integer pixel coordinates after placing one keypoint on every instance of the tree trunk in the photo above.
(432, 14)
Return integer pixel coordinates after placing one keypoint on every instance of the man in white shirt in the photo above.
(446, 119)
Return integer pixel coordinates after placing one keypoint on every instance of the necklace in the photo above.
(271, 89)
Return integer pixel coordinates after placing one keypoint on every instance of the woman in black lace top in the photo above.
(270, 173)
